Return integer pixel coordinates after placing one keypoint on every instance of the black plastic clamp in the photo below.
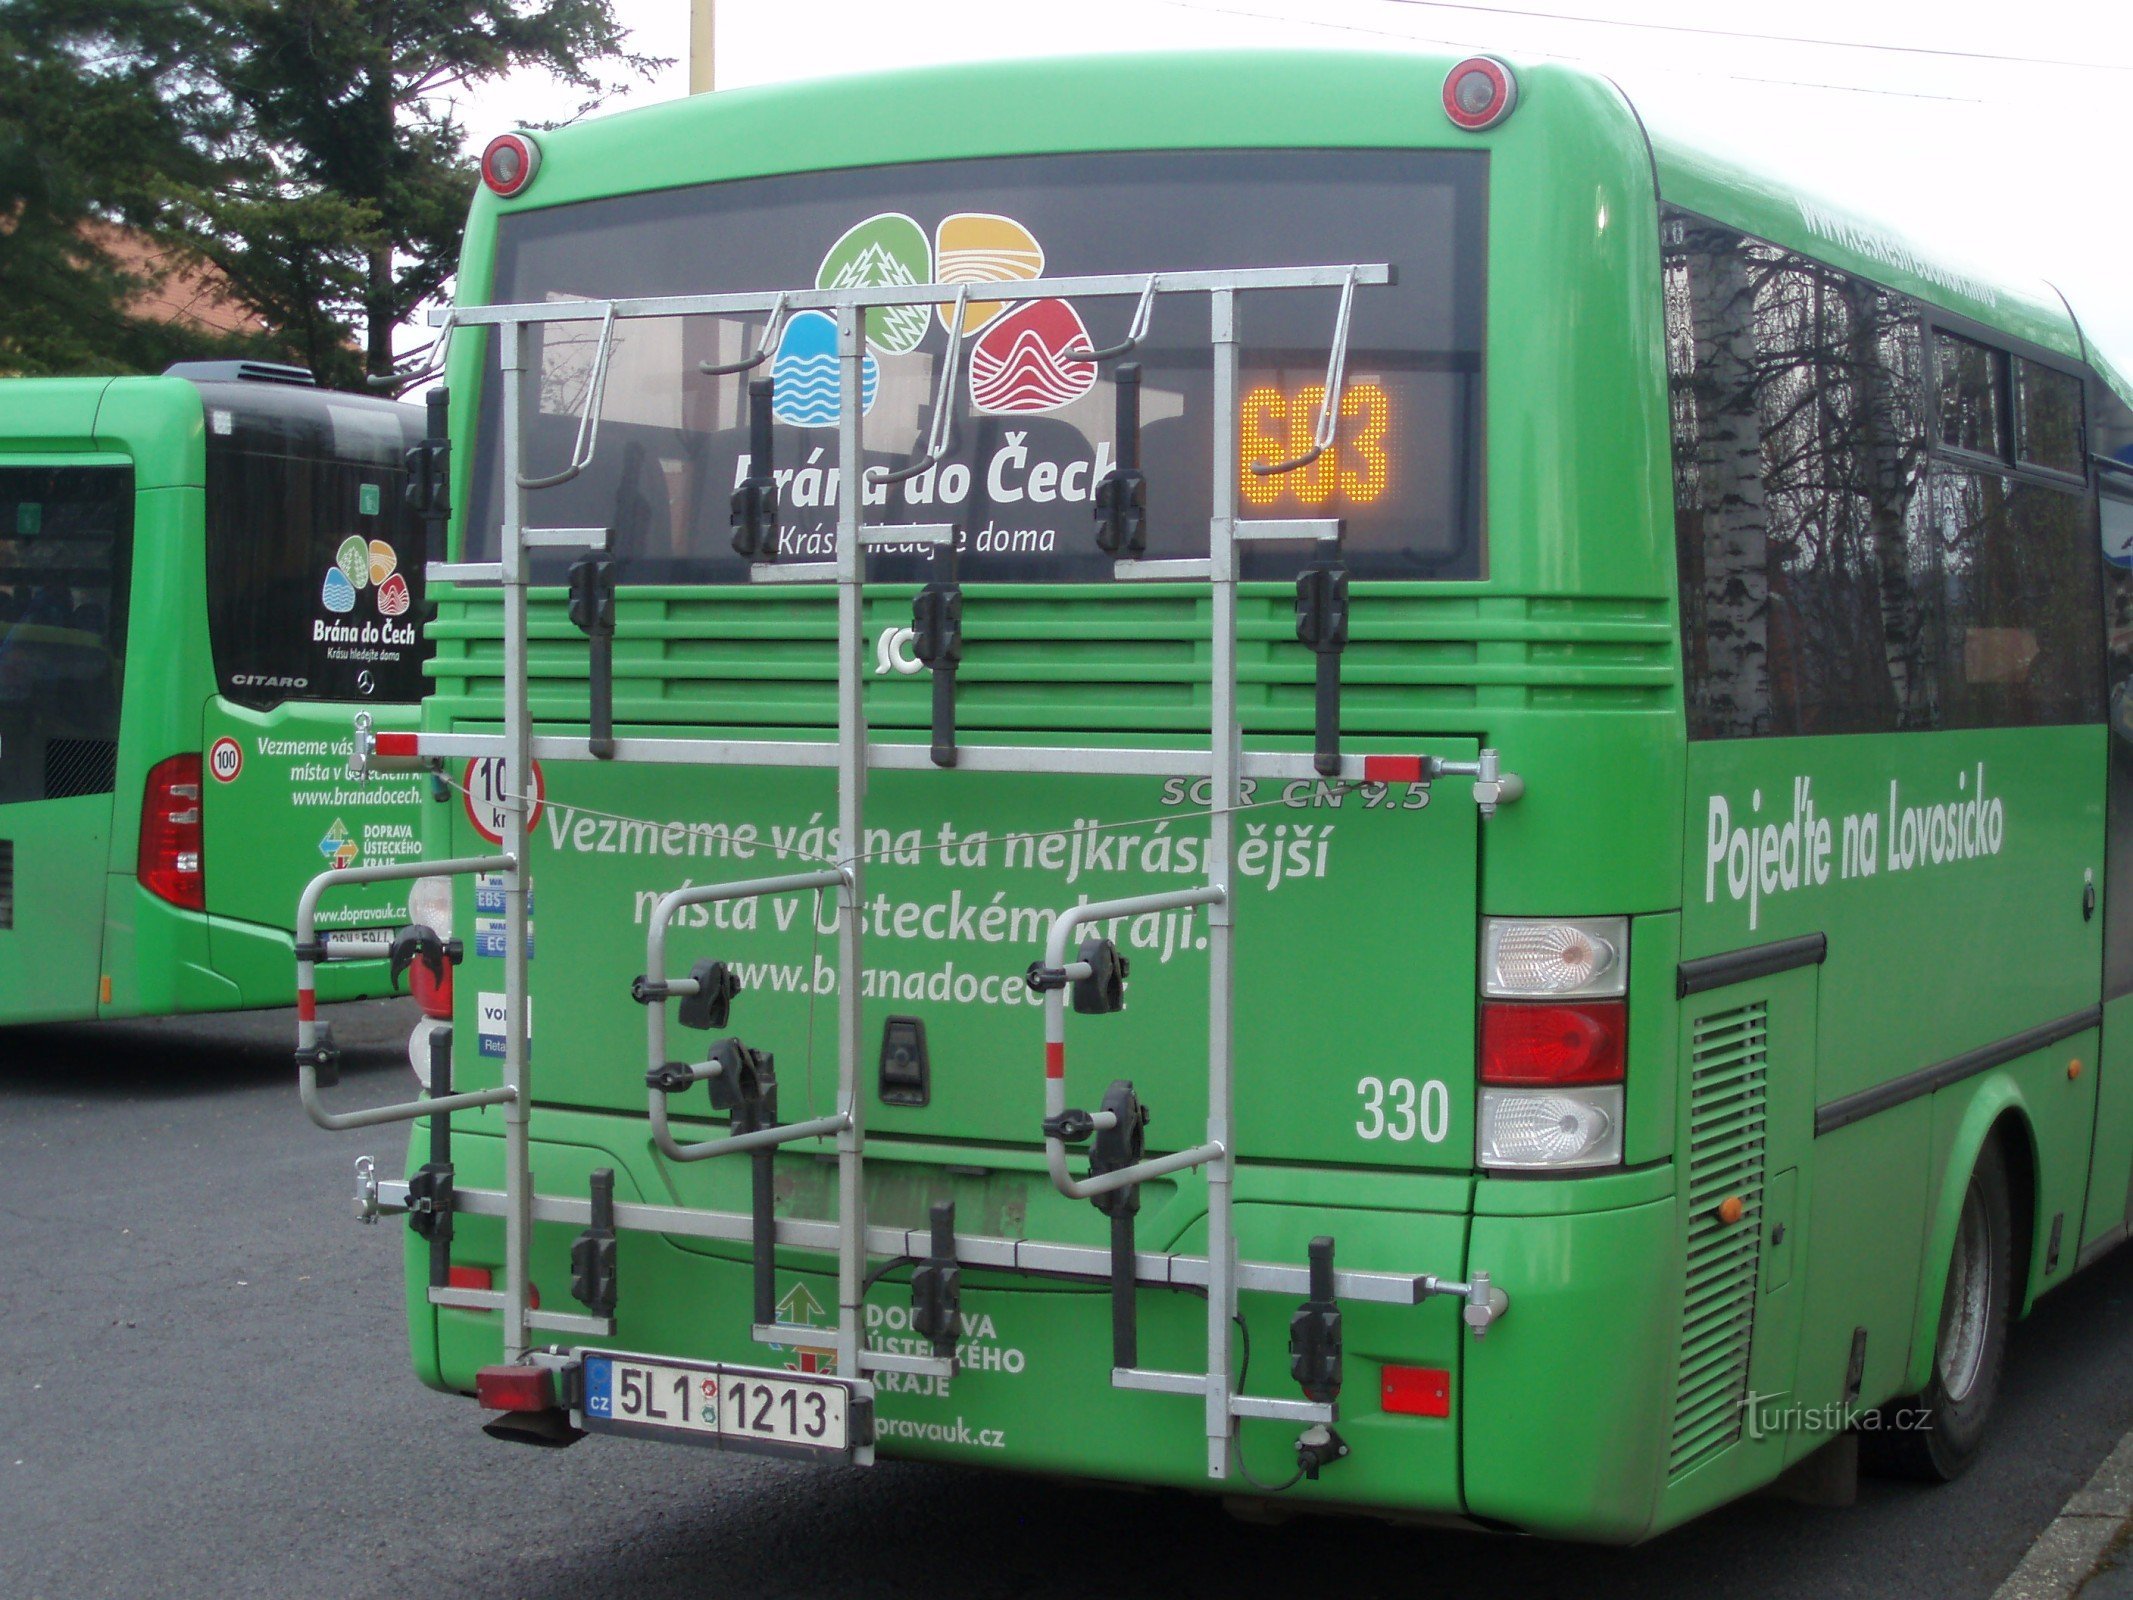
(1117, 1147)
(1103, 991)
(429, 1200)
(1122, 496)
(937, 641)
(755, 501)
(419, 942)
(428, 492)
(1315, 1330)
(717, 987)
(1070, 1127)
(592, 613)
(670, 1077)
(1322, 625)
(937, 1285)
(592, 1253)
(1041, 977)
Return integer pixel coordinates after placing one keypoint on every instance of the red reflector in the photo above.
(1553, 1044)
(1054, 1060)
(485, 1278)
(169, 864)
(515, 1388)
(1416, 1391)
(432, 993)
(1393, 769)
(396, 744)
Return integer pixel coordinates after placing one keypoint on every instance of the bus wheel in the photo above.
(1935, 1435)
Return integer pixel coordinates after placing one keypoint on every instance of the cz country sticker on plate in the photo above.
(732, 1408)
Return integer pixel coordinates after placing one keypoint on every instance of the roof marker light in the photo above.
(510, 162)
(1479, 93)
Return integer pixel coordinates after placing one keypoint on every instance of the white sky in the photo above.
(2015, 166)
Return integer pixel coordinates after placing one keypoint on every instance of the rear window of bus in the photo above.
(1034, 431)
(314, 565)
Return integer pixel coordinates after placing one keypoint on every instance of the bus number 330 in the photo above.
(1395, 1109)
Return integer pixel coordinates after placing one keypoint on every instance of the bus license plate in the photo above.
(736, 1408)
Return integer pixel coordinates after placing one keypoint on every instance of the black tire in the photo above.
(1935, 1435)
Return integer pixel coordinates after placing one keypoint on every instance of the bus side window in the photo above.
(65, 555)
(1839, 574)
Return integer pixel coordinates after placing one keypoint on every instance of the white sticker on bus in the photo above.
(489, 1024)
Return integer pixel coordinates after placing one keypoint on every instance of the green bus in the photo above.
(178, 566)
(1548, 701)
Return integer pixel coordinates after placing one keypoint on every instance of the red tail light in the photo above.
(515, 1388)
(432, 993)
(170, 865)
(1553, 1045)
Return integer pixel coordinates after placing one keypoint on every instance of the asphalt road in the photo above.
(204, 1391)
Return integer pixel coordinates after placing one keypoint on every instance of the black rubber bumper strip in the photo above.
(1851, 1108)
(1757, 961)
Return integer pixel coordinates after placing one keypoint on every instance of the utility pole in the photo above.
(703, 37)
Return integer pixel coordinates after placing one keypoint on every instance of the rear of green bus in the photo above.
(1456, 1035)
(203, 575)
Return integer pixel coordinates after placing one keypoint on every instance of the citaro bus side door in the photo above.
(66, 532)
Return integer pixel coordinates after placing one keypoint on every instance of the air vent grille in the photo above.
(1727, 1091)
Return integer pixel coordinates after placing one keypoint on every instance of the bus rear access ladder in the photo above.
(1219, 1273)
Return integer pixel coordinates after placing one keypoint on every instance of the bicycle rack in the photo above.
(1219, 1273)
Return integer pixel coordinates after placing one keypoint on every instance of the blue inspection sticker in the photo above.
(599, 1387)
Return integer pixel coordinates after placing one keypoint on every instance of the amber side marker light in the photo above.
(1479, 93)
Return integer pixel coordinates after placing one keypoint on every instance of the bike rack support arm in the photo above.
(655, 965)
(308, 953)
(1055, 957)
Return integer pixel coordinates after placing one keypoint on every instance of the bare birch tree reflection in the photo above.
(1833, 580)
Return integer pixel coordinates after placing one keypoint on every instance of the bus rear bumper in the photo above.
(1553, 1424)
(1568, 1398)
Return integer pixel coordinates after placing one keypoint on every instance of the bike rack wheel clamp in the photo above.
(312, 1053)
(1056, 962)
(657, 991)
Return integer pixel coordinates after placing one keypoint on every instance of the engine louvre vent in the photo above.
(1728, 1064)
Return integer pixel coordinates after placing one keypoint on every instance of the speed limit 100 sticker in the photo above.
(486, 789)
(225, 759)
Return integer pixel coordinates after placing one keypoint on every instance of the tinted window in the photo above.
(65, 551)
(1799, 458)
(1033, 431)
(314, 567)
(2006, 582)
(1833, 579)
(1973, 396)
(2048, 430)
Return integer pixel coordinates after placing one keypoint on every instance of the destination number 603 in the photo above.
(1397, 1109)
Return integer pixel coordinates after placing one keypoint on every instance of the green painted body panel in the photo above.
(2110, 1202)
(1575, 1416)
(1765, 206)
(89, 918)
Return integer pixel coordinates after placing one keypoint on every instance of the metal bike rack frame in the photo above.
(852, 754)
